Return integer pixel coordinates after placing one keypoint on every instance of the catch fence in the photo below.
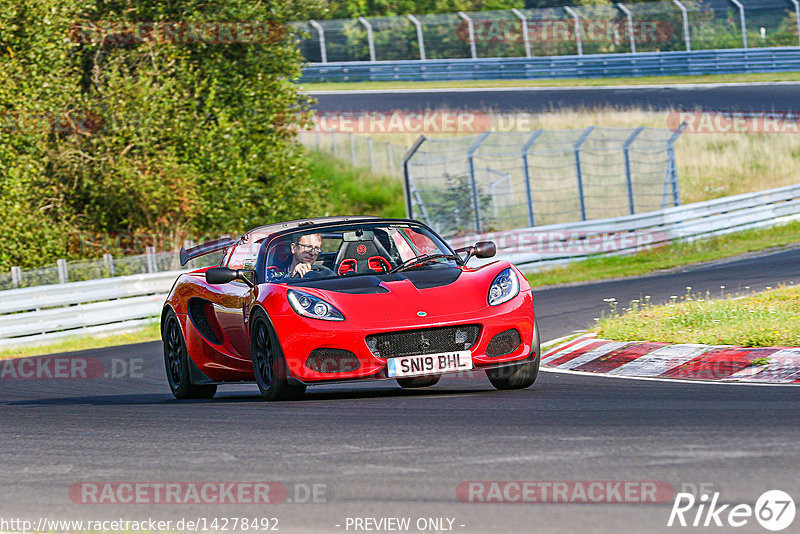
(504, 180)
(672, 25)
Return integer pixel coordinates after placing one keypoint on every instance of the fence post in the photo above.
(578, 172)
(420, 40)
(407, 174)
(390, 156)
(371, 155)
(471, 28)
(797, 16)
(625, 148)
(578, 29)
(528, 144)
(109, 259)
(16, 276)
(316, 139)
(525, 38)
(353, 149)
(323, 52)
(63, 275)
(150, 256)
(335, 138)
(630, 26)
(685, 13)
(470, 159)
(741, 21)
(370, 40)
(676, 194)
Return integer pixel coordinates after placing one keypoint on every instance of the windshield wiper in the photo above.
(419, 260)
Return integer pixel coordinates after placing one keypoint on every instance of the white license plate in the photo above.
(429, 363)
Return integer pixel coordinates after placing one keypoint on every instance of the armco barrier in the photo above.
(542, 246)
(41, 313)
(729, 61)
(52, 311)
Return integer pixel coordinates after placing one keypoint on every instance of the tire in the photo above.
(418, 381)
(269, 364)
(176, 362)
(518, 376)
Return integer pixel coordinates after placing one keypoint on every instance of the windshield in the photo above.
(354, 249)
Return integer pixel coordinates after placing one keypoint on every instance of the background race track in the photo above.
(381, 451)
(770, 97)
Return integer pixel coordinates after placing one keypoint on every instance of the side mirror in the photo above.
(223, 275)
(481, 249)
(485, 249)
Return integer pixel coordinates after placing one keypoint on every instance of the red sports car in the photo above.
(337, 299)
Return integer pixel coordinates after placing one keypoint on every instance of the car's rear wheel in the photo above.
(418, 381)
(518, 376)
(269, 364)
(176, 362)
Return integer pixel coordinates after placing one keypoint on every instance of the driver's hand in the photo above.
(301, 269)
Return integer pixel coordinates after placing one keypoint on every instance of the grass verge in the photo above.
(71, 344)
(669, 256)
(557, 82)
(355, 191)
(767, 319)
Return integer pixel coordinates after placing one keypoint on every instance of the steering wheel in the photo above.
(317, 271)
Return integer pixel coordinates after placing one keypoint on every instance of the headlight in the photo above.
(504, 287)
(311, 306)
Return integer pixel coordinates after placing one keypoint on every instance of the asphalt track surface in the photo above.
(769, 97)
(384, 452)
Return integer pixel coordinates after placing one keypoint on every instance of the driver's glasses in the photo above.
(310, 248)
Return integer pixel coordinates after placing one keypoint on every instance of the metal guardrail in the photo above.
(540, 247)
(39, 314)
(729, 61)
(52, 311)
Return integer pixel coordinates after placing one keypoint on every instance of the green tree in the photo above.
(145, 134)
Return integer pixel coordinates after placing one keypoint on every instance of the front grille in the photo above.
(504, 343)
(327, 360)
(423, 341)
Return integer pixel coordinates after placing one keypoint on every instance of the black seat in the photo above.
(361, 257)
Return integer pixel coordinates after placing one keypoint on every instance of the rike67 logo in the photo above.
(774, 510)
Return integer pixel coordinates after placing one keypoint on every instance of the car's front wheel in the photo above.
(269, 364)
(521, 375)
(176, 361)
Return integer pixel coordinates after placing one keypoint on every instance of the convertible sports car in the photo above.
(338, 299)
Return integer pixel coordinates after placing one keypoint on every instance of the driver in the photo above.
(305, 250)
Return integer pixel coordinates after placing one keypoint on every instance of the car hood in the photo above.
(432, 295)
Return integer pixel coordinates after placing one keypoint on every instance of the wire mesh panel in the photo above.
(497, 34)
(714, 24)
(551, 32)
(446, 36)
(395, 38)
(657, 26)
(507, 180)
(345, 40)
(770, 23)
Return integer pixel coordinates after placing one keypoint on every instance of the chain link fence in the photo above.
(360, 151)
(668, 25)
(506, 180)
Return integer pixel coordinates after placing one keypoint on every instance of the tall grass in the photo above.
(354, 191)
